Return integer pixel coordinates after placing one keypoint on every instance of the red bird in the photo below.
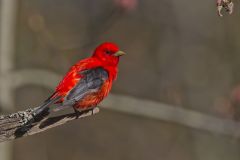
(88, 82)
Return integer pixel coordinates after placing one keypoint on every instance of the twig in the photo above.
(224, 4)
(11, 125)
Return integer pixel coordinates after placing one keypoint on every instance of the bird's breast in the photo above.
(93, 99)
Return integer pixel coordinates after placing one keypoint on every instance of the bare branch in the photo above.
(12, 126)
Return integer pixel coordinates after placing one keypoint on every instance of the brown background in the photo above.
(179, 52)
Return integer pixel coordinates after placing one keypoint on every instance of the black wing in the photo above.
(91, 82)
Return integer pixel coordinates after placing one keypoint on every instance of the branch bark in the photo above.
(12, 126)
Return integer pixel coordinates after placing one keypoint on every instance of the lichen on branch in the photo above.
(12, 125)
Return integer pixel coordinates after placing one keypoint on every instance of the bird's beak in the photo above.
(119, 53)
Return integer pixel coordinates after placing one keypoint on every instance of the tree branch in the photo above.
(12, 126)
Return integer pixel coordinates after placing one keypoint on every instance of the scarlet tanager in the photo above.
(87, 82)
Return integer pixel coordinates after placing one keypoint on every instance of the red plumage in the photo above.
(86, 84)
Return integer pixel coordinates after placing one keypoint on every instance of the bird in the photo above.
(86, 83)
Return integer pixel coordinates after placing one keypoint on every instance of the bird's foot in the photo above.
(79, 112)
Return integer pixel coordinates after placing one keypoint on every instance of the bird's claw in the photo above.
(79, 112)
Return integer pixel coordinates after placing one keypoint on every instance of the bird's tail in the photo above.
(43, 110)
(37, 115)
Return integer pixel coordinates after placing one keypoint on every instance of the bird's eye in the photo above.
(108, 52)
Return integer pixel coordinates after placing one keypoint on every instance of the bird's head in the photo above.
(108, 53)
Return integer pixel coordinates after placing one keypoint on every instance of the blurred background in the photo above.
(178, 91)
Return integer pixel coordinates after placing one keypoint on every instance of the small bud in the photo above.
(226, 4)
